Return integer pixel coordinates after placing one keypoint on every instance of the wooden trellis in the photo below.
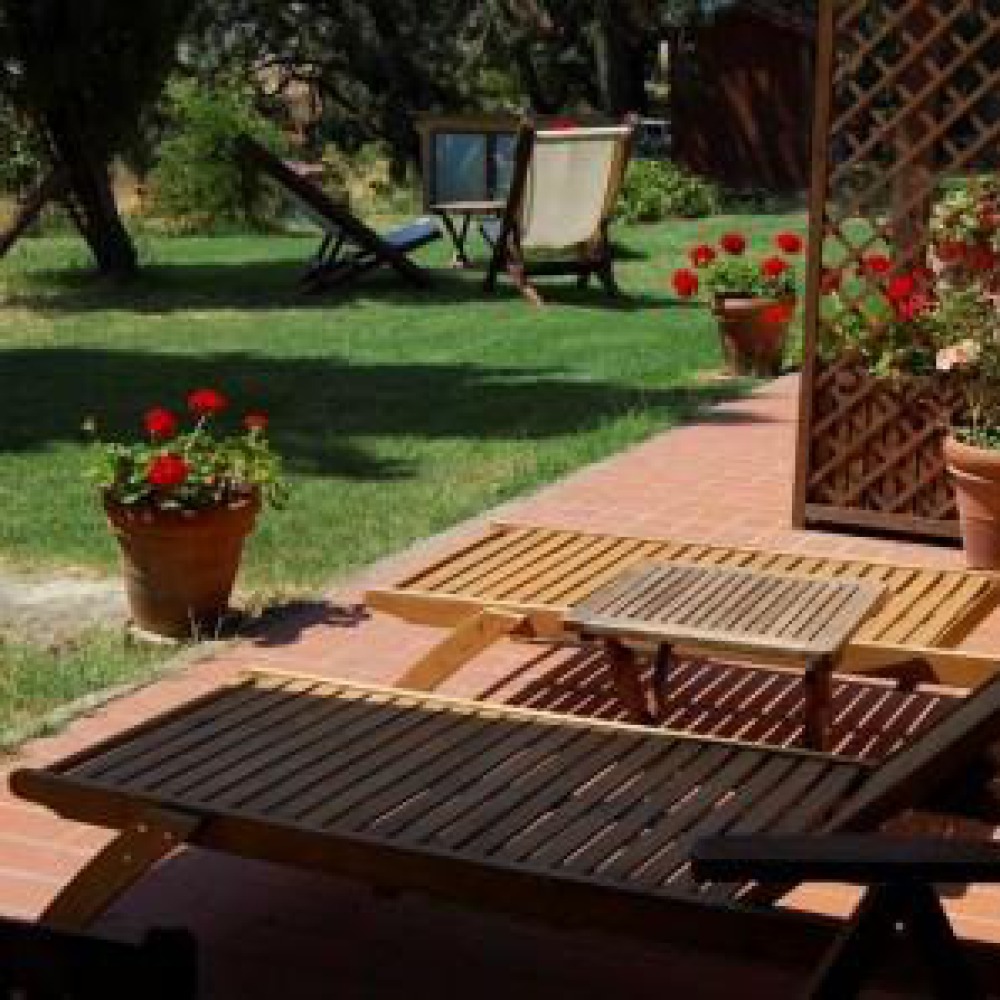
(907, 99)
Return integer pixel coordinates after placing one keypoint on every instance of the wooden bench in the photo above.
(576, 821)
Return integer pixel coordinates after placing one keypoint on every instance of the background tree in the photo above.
(81, 74)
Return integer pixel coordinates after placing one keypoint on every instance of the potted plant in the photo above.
(753, 300)
(965, 254)
(181, 502)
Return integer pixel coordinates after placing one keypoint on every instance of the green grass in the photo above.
(34, 681)
(398, 412)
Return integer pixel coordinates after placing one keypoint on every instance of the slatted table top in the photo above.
(311, 771)
(728, 609)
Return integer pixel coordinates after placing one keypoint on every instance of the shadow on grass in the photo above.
(324, 409)
(275, 284)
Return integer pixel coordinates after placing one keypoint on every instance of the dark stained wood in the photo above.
(39, 963)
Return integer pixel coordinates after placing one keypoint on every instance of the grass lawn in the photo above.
(399, 412)
(34, 680)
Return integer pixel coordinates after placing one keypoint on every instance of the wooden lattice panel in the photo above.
(906, 105)
(543, 572)
(875, 450)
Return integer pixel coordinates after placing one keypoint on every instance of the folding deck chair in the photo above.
(578, 822)
(563, 192)
(349, 248)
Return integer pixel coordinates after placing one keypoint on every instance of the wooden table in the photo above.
(468, 210)
(724, 610)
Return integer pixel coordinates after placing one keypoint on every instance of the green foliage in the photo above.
(21, 161)
(199, 179)
(742, 277)
(655, 190)
(197, 469)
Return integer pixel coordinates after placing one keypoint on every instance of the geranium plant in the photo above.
(728, 271)
(191, 463)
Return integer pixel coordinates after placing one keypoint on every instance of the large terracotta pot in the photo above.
(753, 341)
(180, 566)
(975, 475)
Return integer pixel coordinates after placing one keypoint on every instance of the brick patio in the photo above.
(728, 479)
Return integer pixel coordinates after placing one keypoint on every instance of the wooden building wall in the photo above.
(741, 95)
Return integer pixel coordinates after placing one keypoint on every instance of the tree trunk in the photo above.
(90, 199)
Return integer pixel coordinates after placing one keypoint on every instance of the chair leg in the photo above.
(606, 274)
(116, 868)
(628, 683)
(662, 660)
(519, 275)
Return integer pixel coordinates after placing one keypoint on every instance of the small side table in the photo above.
(723, 610)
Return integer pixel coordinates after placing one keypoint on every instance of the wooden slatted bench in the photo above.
(522, 579)
(578, 821)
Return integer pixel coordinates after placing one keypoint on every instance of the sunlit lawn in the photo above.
(399, 412)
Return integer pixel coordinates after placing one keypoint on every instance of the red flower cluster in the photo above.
(167, 471)
(685, 283)
(255, 421)
(874, 265)
(908, 293)
(830, 280)
(702, 255)
(779, 313)
(733, 243)
(563, 124)
(789, 242)
(207, 402)
(161, 424)
(773, 267)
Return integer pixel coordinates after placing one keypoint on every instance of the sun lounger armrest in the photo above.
(862, 858)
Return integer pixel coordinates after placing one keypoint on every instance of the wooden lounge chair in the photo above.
(575, 821)
(522, 580)
(900, 900)
(40, 963)
(349, 248)
(563, 192)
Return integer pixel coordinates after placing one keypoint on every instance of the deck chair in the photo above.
(39, 963)
(570, 820)
(899, 903)
(563, 192)
(349, 248)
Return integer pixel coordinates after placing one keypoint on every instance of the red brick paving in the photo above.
(265, 929)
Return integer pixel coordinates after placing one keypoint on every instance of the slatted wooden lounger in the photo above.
(577, 821)
(522, 580)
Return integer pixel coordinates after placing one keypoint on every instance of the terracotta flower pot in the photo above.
(180, 566)
(753, 333)
(975, 475)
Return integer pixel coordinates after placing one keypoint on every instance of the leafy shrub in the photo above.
(21, 164)
(658, 189)
(199, 179)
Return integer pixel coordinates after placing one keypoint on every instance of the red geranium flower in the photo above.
(702, 255)
(166, 471)
(255, 421)
(875, 264)
(734, 243)
(207, 402)
(685, 283)
(901, 287)
(160, 423)
(830, 280)
(789, 242)
(779, 313)
(913, 307)
(773, 267)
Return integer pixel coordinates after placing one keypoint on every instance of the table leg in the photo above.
(662, 660)
(818, 681)
(627, 680)
(458, 237)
